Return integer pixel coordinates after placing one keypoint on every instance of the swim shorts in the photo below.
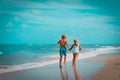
(63, 51)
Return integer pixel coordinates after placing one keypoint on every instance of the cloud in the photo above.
(115, 32)
(59, 16)
(48, 4)
(9, 24)
(36, 12)
(24, 25)
(8, 30)
(63, 17)
(71, 6)
(81, 20)
(112, 32)
(16, 18)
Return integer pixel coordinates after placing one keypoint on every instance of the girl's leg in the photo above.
(75, 58)
(73, 61)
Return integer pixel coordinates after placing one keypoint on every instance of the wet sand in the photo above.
(111, 71)
(84, 70)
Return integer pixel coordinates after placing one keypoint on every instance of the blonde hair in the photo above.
(75, 40)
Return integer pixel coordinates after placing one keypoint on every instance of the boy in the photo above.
(63, 50)
(75, 48)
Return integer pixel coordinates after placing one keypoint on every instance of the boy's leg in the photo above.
(60, 61)
(65, 59)
(64, 52)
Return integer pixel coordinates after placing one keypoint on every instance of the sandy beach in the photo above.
(111, 71)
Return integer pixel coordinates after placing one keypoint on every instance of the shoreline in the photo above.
(53, 72)
(111, 71)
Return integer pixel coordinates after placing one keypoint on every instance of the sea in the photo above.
(16, 57)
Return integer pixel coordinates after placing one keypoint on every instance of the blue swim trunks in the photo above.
(63, 51)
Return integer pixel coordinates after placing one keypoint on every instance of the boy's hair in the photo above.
(63, 36)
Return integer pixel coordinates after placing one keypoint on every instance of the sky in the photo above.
(44, 21)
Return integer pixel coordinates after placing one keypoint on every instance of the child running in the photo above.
(75, 48)
(63, 50)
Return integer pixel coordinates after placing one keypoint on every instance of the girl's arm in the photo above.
(80, 48)
(71, 48)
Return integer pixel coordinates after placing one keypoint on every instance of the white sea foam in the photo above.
(52, 59)
(30, 44)
(0, 52)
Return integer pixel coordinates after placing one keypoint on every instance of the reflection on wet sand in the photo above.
(77, 75)
(64, 77)
(64, 73)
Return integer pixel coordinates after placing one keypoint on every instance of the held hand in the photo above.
(80, 48)
(69, 49)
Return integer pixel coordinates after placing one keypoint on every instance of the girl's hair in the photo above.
(75, 40)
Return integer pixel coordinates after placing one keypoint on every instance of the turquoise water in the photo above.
(19, 54)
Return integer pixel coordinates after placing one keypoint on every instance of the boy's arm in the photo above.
(67, 44)
(58, 42)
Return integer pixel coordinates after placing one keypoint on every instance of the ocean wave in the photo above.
(0, 52)
(52, 59)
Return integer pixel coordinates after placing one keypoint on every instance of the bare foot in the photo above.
(60, 66)
(117, 63)
(64, 63)
(72, 63)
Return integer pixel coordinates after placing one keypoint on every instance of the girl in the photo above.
(75, 48)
